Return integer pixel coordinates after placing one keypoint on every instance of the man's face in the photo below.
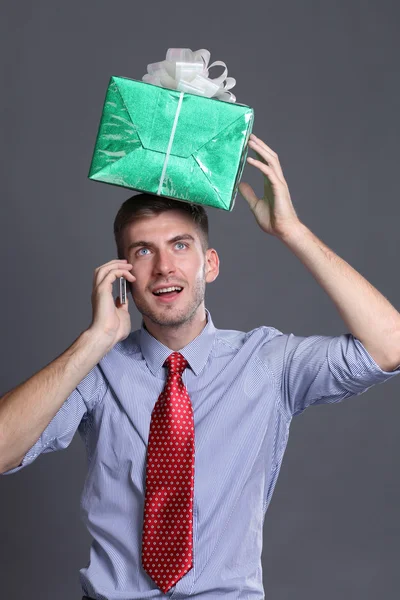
(165, 250)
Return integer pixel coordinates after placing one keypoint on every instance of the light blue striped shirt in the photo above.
(245, 387)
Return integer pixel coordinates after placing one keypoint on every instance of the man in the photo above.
(181, 523)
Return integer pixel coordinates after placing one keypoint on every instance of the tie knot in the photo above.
(176, 363)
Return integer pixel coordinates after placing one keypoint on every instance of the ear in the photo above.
(211, 265)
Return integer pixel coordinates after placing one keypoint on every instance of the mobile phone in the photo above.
(122, 290)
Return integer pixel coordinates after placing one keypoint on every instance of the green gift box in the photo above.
(171, 143)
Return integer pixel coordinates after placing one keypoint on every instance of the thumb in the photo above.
(119, 304)
(248, 194)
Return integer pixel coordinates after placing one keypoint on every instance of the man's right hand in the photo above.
(27, 410)
(110, 318)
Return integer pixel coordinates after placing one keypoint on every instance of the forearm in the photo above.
(368, 315)
(26, 410)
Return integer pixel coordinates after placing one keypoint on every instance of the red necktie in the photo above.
(167, 542)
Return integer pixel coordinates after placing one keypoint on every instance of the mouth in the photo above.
(167, 297)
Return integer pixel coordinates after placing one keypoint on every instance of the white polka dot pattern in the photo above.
(167, 542)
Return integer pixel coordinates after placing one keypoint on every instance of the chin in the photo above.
(168, 315)
(170, 318)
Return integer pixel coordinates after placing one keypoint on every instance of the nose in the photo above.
(163, 263)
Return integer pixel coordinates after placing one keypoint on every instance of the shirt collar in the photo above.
(196, 352)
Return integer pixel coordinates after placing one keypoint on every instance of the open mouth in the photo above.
(168, 295)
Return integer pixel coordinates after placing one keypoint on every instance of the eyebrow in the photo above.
(177, 238)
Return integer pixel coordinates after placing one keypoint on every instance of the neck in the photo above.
(177, 337)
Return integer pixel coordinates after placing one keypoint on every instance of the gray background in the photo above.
(322, 78)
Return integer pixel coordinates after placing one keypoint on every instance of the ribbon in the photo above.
(171, 139)
(187, 71)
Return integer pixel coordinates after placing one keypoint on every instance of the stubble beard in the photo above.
(170, 316)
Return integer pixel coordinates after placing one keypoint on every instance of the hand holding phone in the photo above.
(111, 317)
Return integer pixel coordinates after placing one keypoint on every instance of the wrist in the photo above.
(293, 232)
(98, 339)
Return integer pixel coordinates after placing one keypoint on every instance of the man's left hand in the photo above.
(274, 212)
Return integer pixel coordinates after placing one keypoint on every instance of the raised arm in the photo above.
(368, 315)
(26, 410)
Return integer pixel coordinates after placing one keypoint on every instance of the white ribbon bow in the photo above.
(187, 71)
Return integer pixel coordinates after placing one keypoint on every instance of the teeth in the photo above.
(170, 289)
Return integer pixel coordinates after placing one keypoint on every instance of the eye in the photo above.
(181, 243)
(138, 252)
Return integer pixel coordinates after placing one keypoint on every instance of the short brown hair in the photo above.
(143, 205)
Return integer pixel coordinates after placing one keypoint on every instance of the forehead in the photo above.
(163, 225)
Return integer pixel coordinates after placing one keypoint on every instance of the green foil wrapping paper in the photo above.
(170, 143)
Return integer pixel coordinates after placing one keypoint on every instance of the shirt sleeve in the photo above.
(321, 369)
(71, 415)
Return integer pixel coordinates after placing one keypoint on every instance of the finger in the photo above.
(262, 144)
(270, 162)
(267, 154)
(111, 262)
(113, 274)
(265, 157)
(102, 271)
(248, 194)
(266, 170)
(116, 262)
(119, 304)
